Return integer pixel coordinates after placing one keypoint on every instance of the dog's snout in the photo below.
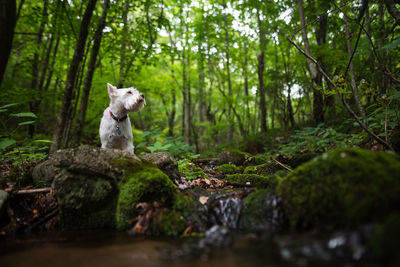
(142, 96)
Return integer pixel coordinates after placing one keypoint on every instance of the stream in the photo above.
(107, 248)
(221, 245)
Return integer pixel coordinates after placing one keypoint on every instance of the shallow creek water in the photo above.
(107, 248)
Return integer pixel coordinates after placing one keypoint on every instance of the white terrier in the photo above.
(115, 127)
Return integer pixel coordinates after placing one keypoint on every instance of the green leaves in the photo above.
(6, 142)
(24, 115)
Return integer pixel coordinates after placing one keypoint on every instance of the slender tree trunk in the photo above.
(289, 106)
(121, 79)
(202, 83)
(62, 119)
(7, 24)
(351, 69)
(228, 74)
(246, 85)
(316, 77)
(89, 74)
(260, 68)
(275, 88)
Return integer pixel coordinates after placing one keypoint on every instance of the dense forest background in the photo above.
(281, 75)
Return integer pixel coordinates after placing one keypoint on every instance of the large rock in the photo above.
(97, 188)
(261, 213)
(342, 188)
(165, 163)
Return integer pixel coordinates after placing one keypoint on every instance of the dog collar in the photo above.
(116, 118)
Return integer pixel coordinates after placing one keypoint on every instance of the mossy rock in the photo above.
(233, 156)
(229, 168)
(141, 182)
(239, 158)
(168, 223)
(100, 188)
(344, 187)
(265, 169)
(260, 212)
(254, 180)
(383, 246)
(190, 170)
(85, 201)
(300, 158)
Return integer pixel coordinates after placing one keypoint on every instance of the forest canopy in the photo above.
(290, 75)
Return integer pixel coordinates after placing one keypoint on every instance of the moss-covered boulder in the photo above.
(240, 158)
(229, 168)
(252, 179)
(168, 223)
(265, 169)
(140, 182)
(233, 156)
(166, 163)
(342, 188)
(190, 170)
(383, 246)
(97, 188)
(300, 158)
(260, 212)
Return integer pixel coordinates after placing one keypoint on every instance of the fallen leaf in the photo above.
(203, 199)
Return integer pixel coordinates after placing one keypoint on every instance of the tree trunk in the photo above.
(228, 74)
(34, 104)
(121, 79)
(316, 77)
(7, 25)
(246, 85)
(351, 68)
(89, 74)
(71, 78)
(289, 106)
(260, 72)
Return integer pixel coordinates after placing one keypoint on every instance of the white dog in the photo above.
(115, 127)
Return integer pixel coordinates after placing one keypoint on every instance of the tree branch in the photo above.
(348, 108)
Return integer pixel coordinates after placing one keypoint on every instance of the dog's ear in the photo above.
(112, 90)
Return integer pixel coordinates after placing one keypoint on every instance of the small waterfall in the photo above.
(224, 209)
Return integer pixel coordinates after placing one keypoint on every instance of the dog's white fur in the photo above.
(122, 101)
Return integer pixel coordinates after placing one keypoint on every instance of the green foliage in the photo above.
(229, 168)
(190, 170)
(159, 142)
(252, 179)
(318, 139)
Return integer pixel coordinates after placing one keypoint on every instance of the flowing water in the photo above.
(104, 248)
(221, 245)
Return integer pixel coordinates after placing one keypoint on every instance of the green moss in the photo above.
(169, 223)
(258, 159)
(183, 204)
(190, 170)
(141, 183)
(253, 179)
(228, 168)
(86, 202)
(343, 188)
(300, 158)
(265, 169)
(383, 245)
(258, 212)
(233, 156)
